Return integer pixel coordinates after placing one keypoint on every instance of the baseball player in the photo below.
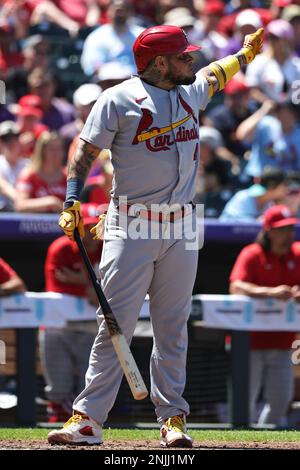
(150, 123)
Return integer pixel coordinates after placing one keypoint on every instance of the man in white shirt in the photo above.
(11, 164)
(274, 72)
(111, 42)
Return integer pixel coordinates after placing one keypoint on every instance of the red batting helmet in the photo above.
(160, 40)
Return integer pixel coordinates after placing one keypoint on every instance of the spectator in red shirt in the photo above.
(226, 24)
(270, 268)
(67, 14)
(41, 186)
(10, 56)
(10, 282)
(37, 53)
(29, 114)
(16, 13)
(64, 350)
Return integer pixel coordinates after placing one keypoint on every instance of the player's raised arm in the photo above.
(78, 170)
(218, 73)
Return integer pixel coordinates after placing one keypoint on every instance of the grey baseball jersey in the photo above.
(153, 135)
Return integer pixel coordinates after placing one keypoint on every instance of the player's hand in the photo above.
(70, 218)
(282, 292)
(296, 293)
(98, 230)
(70, 276)
(252, 45)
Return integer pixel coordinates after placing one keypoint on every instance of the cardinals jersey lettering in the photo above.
(154, 138)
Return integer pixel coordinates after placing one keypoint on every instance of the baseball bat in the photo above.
(128, 364)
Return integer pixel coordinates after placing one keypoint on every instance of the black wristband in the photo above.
(74, 188)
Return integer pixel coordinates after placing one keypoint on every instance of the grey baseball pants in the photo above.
(64, 355)
(129, 269)
(271, 369)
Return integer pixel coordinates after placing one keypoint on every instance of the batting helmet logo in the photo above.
(160, 40)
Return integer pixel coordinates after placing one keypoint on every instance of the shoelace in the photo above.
(75, 419)
(176, 422)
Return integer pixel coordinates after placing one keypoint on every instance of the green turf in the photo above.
(137, 434)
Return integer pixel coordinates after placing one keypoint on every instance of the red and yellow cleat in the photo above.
(79, 430)
(173, 433)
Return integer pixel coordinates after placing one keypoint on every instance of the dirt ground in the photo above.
(144, 445)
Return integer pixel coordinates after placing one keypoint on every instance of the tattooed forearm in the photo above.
(82, 160)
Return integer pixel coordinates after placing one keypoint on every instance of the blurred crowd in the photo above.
(57, 57)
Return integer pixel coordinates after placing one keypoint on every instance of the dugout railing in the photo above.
(215, 375)
(24, 240)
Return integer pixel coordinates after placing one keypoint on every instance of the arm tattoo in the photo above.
(209, 75)
(82, 160)
(242, 59)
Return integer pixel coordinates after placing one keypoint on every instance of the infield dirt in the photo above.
(19, 444)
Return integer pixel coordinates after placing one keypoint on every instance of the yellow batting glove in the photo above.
(98, 230)
(70, 218)
(252, 45)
